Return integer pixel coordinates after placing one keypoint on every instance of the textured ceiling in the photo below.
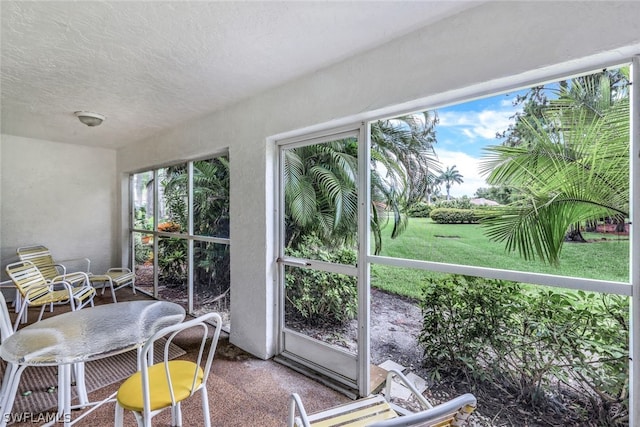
(151, 65)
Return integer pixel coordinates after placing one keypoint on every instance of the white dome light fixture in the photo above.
(89, 118)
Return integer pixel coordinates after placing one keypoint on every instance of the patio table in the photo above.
(81, 336)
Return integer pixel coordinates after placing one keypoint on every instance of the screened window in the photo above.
(508, 219)
(180, 234)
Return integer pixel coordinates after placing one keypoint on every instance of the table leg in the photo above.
(81, 389)
(64, 393)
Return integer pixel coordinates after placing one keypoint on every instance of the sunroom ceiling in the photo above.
(151, 65)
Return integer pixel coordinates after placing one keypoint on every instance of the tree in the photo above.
(502, 194)
(320, 192)
(210, 218)
(449, 177)
(403, 163)
(321, 181)
(574, 167)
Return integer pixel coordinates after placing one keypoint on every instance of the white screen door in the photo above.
(323, 302)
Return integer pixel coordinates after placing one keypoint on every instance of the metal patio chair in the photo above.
(379, 411)
(115, 278)
(35, 290)
(160, 386)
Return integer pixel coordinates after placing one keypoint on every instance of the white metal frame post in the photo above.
(364, 285)
(634, 252)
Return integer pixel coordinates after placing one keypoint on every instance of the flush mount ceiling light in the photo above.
(89, 118)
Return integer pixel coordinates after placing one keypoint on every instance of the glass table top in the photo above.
(90, 333)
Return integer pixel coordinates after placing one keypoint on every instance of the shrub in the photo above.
(555, 349)
(142, 252)
(453, 216)
(461, 316)
(320, 297)
(462, 203)
(172, 261)
(419, 210)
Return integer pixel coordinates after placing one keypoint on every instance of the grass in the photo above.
(466, 244)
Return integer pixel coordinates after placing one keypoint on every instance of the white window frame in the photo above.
(526, 80)
(188, 236)
(630, 289)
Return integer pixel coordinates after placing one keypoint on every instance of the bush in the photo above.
(462, 203)
(454, 216)
(565, 351)
(172, 261)
(142, 252)
(419, 210)
(461, 316)
(319, 297)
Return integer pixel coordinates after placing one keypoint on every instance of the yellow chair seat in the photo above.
(181, 372)
(48, 297)
(116, 277)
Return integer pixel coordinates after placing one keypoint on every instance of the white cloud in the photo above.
(478, 124)
(468, 168)
(463, 131)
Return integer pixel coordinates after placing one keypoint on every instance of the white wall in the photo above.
(493, 45)
(58, 195)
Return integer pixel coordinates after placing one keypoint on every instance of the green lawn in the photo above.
(466, 244)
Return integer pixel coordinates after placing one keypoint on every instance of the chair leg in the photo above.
(22, 316)
(10, 395)
(205, 406)
(110, 284)
(142, 421)
(176, 415)
(119, 416)
(17, 301)
(6, 383)
(42, 312)
(113, 294)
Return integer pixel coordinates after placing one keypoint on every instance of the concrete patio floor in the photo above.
(243, 390)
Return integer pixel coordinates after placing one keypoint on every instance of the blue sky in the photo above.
(464, 129)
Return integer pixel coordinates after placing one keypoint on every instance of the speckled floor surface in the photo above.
(243, 391)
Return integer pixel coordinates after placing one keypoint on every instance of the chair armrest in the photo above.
(459, 408)
(8, 284)
(295, 402)
(75, 278)
(66, 285)
(395, 373)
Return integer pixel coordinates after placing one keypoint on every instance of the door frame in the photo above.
(315, 357)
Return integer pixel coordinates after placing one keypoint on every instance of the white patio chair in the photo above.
(164, 385)
(379, 411)
(6, 330)
(13, 372)
(36, 291)
(115, 278)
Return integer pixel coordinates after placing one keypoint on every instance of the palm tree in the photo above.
(576, 171)
(449, 177)
(321, 181)
(403, 161)
(321, 192)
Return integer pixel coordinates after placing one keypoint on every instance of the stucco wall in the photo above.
(495, 45)
(59, 195)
